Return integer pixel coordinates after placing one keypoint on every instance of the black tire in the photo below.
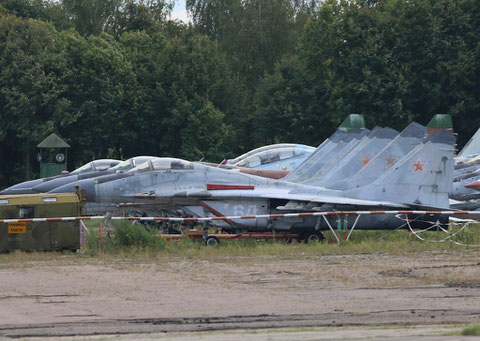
(313, 237)
(212, 241)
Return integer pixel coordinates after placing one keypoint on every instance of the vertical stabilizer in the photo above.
(472, 148)
(317, 163)
(422, 178)
(352, 128)
(353, 122)
(440, 122)
(401, 145)
(358, 158)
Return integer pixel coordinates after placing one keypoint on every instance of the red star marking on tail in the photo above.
(365, 160)
(390, 160)
(418, 166)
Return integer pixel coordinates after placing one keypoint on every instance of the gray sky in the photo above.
(179, 11)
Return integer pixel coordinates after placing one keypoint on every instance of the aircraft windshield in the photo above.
(97, 165)
(138, 160)
(131, 163)
(171, 163)
(84, 169)
(270, 156)
(144, 167)
(103, 164)
(261, 149)
(123, 166)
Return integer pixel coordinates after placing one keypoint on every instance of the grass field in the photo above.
(125, 239)
(136, 239)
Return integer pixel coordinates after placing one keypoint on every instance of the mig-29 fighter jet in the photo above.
(64, 180)
(287, 156)
(369, 157)
(283, 156)
(421, 179)
(93, 166)
(467, 174)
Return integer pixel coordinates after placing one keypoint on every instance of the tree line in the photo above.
(118, 78)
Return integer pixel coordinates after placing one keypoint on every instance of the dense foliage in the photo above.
(117, 78)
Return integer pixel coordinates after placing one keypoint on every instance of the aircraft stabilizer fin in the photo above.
(353, 122)
(422, 178)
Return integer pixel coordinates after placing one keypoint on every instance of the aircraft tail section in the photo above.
(422, 178)
(440, 122)
(358, 158)
(394, 151)
(353, 122)
(472, 148)
(316, 164)
(352, 129)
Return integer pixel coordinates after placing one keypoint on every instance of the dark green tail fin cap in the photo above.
(353, 122)
(441, 121)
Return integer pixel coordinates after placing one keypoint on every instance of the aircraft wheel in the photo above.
(212, 241)
(313, 237)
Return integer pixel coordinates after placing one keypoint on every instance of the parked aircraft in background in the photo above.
(467, 174)
(121, 167)
(283, 156)
(288, 156)
(472, 148)
(93, 166)
(421, 179)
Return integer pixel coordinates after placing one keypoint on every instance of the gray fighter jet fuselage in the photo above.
(422, 179)
(26, 187)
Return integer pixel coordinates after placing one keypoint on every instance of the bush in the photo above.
(472, 331)
(128, 234)
(124, 234)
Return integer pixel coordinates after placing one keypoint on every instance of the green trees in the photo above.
(116, 16)
(394, 61)
(183, 92)
(32, 67)
(118, 79)
(254, 34)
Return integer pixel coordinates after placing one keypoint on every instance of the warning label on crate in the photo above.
(17, 227)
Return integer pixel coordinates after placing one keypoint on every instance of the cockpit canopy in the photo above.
(131, 163)
(96, 166)
(164, 163)
(270, 148)
(270, 156)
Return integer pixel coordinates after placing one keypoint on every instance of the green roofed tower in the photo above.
(52, 156)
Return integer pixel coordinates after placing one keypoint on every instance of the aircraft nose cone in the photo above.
(22, 188)
(474, 185)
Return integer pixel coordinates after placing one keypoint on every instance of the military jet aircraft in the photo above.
(345, 162)
(467, 172)
(93, 166)
(367, 166)
(287, 156)
(63, 180)
(420, 179)
(472, 148)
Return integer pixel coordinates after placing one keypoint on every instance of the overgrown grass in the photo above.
(472, 330)
(127, 239)
(124, 235)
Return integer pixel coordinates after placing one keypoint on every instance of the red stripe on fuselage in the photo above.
(212, 187)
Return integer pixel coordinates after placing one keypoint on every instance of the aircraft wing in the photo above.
(334, 200)
(308, 198)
